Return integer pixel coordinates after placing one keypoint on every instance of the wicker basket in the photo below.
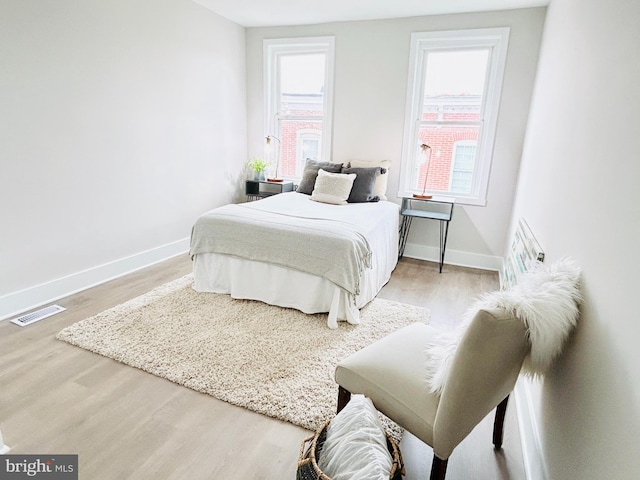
(312, 447)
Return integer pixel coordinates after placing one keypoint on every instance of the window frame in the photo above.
(494, 39)
(273, 49)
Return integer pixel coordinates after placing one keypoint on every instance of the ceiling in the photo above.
(263, 13)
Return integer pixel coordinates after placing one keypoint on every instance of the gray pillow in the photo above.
(311, 172)
(363, 189)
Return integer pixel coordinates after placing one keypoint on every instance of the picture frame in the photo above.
(525, 251)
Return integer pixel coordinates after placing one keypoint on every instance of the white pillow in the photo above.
(356, 446)
(380, 188)
(333, 187)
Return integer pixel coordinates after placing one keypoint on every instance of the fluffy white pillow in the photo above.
(333, 187)
(380, 188)
(546, 299)
(356, 446)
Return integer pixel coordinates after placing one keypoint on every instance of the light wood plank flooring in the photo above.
(128, 424)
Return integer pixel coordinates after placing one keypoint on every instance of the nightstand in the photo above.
(434, 208)
(257, 189)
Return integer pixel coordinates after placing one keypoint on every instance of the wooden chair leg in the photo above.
(344, 396)
(438, 468)
(498, 424)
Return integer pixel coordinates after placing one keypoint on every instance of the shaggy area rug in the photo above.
(275, 361)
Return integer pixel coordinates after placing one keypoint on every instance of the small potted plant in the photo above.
(258, 165)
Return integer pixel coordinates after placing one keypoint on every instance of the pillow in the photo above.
(356, 447)
(381, 181)
(311, 172)
(332, 187)
(363, 185)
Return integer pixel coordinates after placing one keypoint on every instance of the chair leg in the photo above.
(438, 468)
(344, 396)
(498, 424)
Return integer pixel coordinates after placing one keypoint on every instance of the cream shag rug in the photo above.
(275, 361)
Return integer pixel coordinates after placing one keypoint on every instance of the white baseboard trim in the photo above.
(535, 466)
(453, 257)
(21, 301)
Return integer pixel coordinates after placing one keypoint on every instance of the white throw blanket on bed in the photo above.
(330, 248)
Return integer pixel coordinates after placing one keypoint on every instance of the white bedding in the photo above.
(287, 286)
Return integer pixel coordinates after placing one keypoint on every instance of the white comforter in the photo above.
(310, 293)
(278, 232)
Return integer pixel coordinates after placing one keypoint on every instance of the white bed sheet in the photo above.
(286, 287)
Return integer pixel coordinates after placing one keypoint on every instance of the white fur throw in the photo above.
(546, 299)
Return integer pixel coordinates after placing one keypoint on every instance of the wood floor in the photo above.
(127, 424)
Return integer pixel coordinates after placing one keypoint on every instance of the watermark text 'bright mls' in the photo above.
(54, 467)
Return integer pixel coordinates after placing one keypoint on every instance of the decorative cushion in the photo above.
(356, 447)
(311, 172)
(332, 187)
(364, 184)
(381, 181)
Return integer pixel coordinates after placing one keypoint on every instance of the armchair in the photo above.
(392, 373)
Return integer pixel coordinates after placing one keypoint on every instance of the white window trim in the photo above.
(272, 49)
(495, 38)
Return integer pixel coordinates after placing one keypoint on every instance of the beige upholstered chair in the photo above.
(485, 368)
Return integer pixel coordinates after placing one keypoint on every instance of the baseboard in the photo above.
(453, 257)
(33, 297)
(535, 466)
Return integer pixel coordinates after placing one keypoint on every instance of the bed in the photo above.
(291, 251)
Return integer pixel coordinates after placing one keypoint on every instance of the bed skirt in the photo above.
(285, 287)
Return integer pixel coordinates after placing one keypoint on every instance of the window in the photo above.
(308, 146)
(464, 157)
(455, 80)
(298, 99)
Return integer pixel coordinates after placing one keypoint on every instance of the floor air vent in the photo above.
(33, 317)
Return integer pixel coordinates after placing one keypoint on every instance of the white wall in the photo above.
(120, 123)
(579, 193)
(372, 59)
